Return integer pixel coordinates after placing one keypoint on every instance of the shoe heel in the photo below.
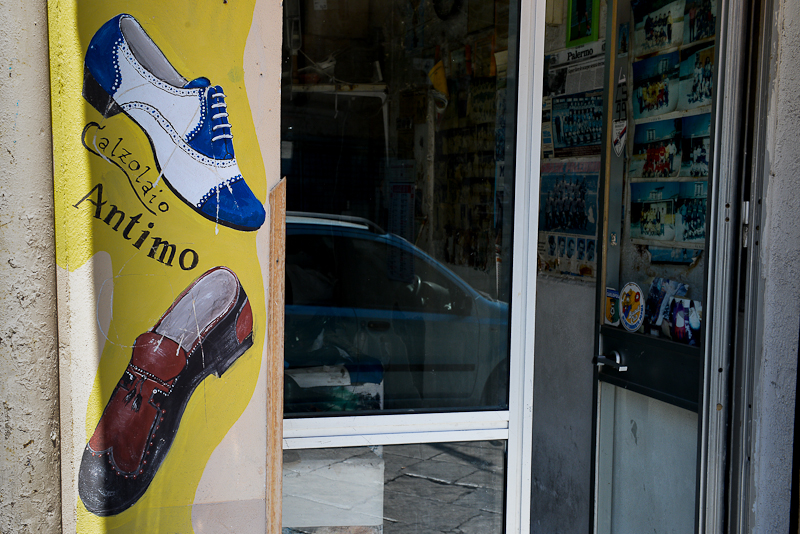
(98, 97)
(241, 349)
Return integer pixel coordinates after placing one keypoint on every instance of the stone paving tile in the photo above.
(486, 500)
(424, 489)
(435, 516)
(297, 458)
(332, 530)
(405, 528)
(421, 451)
(441, 488)
(485, 523)
(395, 465)
(490, 459)
(447, 472)
(482, 479)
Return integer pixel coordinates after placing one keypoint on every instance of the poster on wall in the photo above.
(700, 20)
(695, 145)
(652, 210)
(656, 149)
(669, 212)
(697, 75)
(673, 256)
(656, 85)
(690, 218)
(547, 128)
(594, 50)
(658, 25)
(568, 217)
(158, 213)
(568, 255)
(568, 78)
(677, 147)
(583, 21)
(577, 124)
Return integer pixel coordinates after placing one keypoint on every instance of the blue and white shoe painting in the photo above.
(186, 121)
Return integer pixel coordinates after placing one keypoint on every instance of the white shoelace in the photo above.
(220, 104)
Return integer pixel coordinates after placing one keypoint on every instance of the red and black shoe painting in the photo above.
(204, 331)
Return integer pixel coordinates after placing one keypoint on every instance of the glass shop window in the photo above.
(397, 130)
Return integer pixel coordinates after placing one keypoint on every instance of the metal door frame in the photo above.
(744, 368)
(515, 424)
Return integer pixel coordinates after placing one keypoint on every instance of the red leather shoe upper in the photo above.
(131, 415)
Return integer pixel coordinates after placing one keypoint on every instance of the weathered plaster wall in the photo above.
(29, 463)
(776, 375)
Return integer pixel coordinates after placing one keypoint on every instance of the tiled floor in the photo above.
(454, 488)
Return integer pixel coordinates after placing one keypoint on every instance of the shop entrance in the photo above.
(640, 193)
(651, 347)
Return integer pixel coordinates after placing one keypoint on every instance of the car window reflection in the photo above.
(374, 324)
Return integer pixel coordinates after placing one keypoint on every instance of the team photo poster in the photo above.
(669, 212)
(664, 24)
(568, 217)
(671, 148)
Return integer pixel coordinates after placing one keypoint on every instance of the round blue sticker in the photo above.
(631, 303)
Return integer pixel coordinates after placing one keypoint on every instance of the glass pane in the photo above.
(421, 488)
(398, 128)
(663, 183)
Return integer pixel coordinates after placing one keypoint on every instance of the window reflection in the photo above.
(416, 488)
(398, 116)
(363, 334)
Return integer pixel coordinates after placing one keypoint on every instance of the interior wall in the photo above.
(561, 492)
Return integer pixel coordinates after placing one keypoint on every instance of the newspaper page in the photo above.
(571, 111)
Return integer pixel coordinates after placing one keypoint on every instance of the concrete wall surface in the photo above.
(561, 493)
(30, 499)
(780, 269)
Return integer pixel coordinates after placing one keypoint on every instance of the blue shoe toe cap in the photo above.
(235, 206)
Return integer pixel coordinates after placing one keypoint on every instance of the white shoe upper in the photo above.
(152, 92)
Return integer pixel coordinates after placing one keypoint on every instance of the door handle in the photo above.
(613, 360)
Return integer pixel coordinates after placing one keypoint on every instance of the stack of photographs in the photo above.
(673, 73)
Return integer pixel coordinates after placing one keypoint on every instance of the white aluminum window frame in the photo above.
(515, 424)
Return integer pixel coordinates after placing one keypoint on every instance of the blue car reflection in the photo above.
(373, 323)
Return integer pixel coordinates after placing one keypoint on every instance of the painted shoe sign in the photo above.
(161, 243)
(187, 122)
(207, 328)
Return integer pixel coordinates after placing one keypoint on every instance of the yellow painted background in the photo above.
(199, 38)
